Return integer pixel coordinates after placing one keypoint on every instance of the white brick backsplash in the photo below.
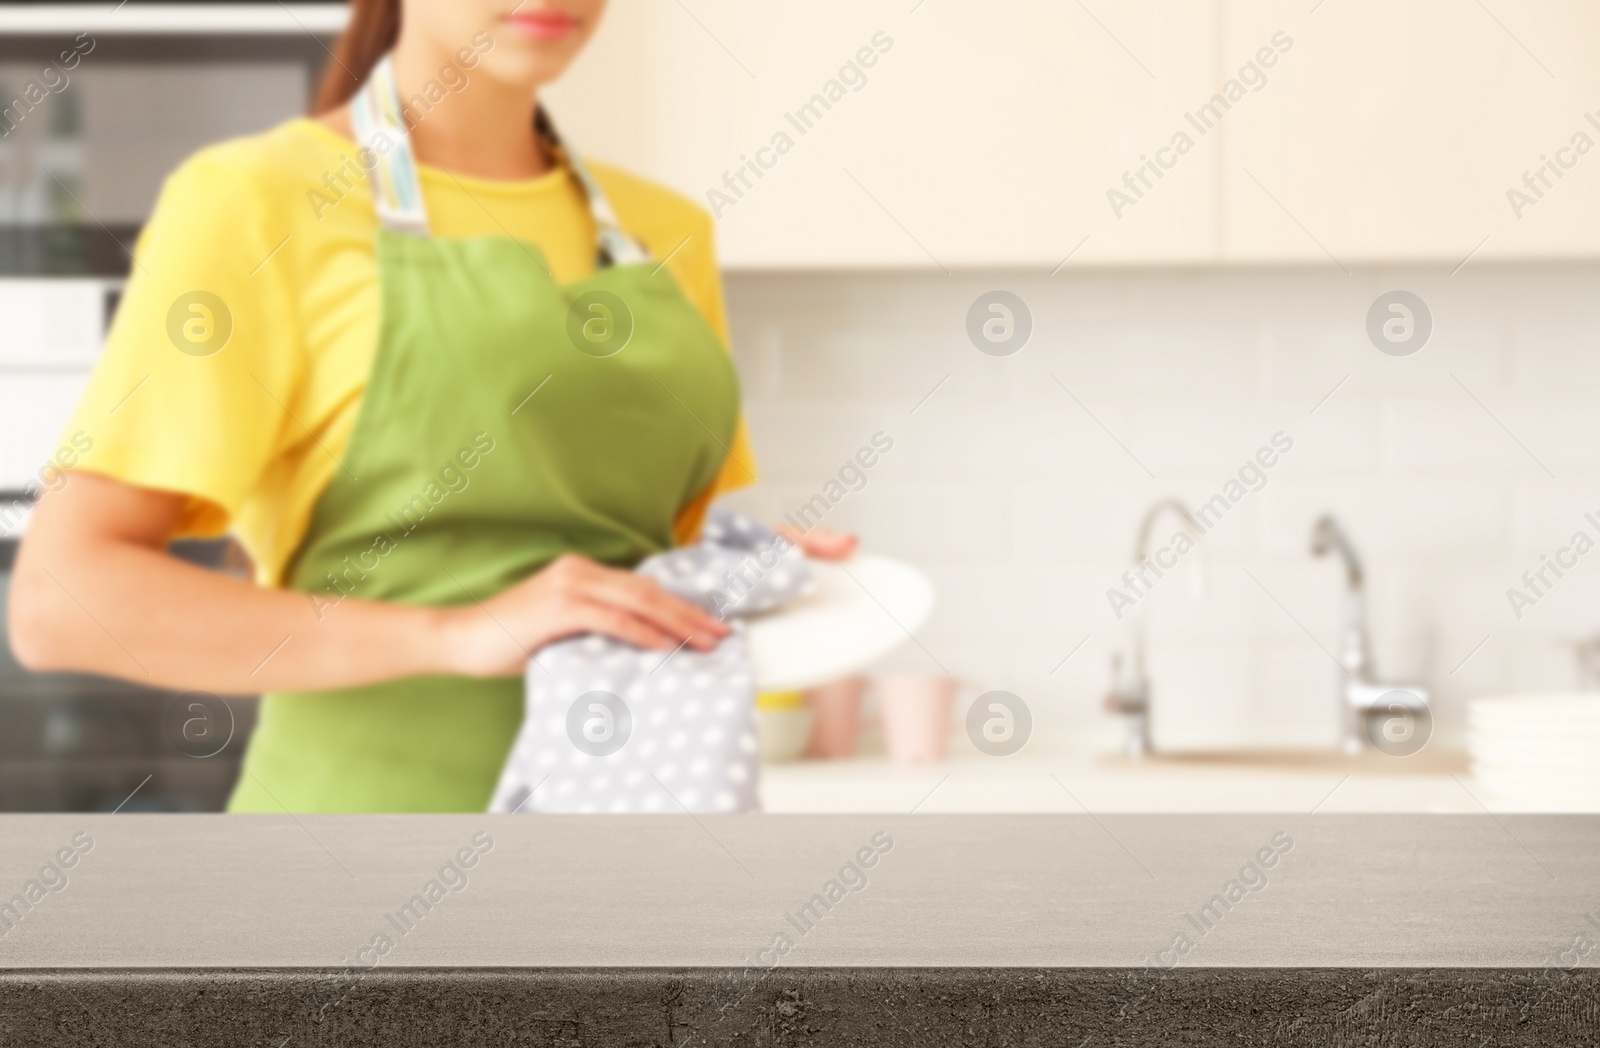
(1101, 519)
(775, 502)
(1063, 603)
(1469, 600)
(1305, 357)
(973, 602)
(1058, 521)
(966, 523)
(1073, 671)
(1199, 601)
(808, 445)
(1286, 600)
(1450, 435)
(976, 666)
(1558, 429)
(1187, 438)
(1471, 346)
(1343, 434)
(1024, 507)
(1569, 606)
(1545, 516)
(1418, 519)
(1201, 694)
(1557, 354)
(883, 364)
(1132, 358)
(1300, 695)
(1022, 504)
(757, 350)
(1002, 440)
(1540, 664)
(1454, 683)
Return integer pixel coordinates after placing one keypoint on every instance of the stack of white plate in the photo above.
(1536, 752)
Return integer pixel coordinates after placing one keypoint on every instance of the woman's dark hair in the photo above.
(373, 29)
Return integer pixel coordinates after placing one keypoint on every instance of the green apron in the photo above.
(459, 482)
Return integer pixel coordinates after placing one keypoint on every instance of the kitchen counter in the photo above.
(1188, 783)
(671, 932)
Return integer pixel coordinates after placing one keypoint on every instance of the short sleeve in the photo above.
(193, 393)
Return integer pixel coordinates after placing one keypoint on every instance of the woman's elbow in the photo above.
(40, 635)
(70, 562)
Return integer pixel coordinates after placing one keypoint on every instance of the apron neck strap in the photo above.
(381, 128)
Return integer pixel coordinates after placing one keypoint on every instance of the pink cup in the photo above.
(836, 718)
(916, 710)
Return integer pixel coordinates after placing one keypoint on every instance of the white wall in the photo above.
(1024, 509)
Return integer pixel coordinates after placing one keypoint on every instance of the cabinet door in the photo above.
(939, 134)
(1395, 131)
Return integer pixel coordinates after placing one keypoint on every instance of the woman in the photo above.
(445, 386)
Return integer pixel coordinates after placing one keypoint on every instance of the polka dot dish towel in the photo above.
(611, 728)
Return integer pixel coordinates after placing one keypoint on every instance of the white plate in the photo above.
(861, 609)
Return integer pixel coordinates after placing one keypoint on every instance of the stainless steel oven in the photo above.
(74, 742)
(98, 102)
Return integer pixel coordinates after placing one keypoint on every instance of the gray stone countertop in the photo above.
(386, 893)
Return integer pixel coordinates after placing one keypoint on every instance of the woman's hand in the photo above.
(571, 595)
(820, 544)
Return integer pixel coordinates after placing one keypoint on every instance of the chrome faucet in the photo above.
(1328, 537)
(1369, 705)
(1130, 690)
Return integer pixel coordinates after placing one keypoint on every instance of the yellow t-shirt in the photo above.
(279, 226)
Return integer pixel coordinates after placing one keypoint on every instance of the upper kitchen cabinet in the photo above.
(1418, 131)
(936, 134)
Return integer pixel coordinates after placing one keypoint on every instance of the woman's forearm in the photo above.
(95, 591)
(123, 610)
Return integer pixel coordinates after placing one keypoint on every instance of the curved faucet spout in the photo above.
(1130, 682)
(1141, 548)
(1327, 536)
